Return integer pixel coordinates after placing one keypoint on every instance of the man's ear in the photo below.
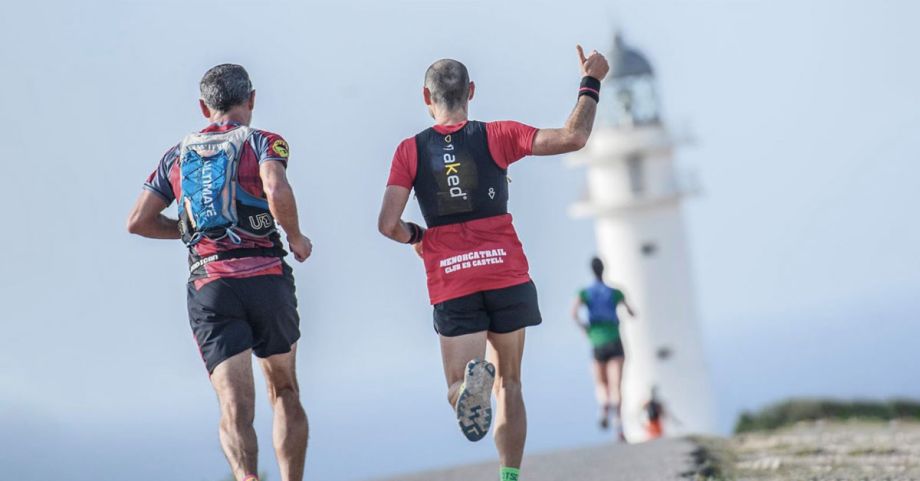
(472, 90)
(204, 109)
(252, 99)
(426, 95)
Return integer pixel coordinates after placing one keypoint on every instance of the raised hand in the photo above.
(594, 65)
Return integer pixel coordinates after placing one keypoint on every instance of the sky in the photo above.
(806, 265)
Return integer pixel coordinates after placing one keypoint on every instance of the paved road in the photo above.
(663, 460)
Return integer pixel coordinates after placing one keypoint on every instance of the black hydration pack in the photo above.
(457, 180)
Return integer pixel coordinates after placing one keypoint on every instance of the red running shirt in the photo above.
(482, 254)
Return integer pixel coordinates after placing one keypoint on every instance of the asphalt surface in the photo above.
(662, 460)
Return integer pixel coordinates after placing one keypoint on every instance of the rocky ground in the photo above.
(825, 451)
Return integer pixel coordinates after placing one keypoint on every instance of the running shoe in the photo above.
(604, 418)
(474, 404)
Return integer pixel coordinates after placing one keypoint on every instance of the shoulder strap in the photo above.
(230, 141)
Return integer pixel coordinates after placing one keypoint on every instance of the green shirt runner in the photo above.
(602, 302)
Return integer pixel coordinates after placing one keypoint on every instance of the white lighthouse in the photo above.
(634, 195)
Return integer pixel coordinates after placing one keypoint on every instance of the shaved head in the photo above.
(449, 83)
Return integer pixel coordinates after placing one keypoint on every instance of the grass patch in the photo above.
(873, 452)
(809, 452)
(796, 410)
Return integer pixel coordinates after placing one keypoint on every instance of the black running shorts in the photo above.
(230, 315)
(499, 310)
(611, 350)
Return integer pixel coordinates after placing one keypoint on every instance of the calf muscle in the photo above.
(233, 383)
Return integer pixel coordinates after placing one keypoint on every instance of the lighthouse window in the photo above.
(636, 174)
(649, 249)
(664, 353)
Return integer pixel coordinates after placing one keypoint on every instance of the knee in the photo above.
(235, 413)
(508, 385)
(286, 391)
(453, 392)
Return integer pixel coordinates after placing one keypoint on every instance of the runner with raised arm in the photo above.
(478, 279)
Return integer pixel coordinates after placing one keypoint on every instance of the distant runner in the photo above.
(230, 186)
(655, 414)
(478, 280)
(603, 330)
(654, 411)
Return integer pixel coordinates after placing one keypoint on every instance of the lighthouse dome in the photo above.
(632, 83)
(626, 61)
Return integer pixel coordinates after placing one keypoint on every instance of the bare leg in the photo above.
(510, 433)
(455, 353)
(602, 391)
(232, 380)
(614, 370)
(290, 429)
(601, 387)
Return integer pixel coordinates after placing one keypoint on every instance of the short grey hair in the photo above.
(449, 83)
(225, 86)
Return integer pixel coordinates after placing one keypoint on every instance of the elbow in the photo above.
(577, 141)
(133, 225)
(387, 228)
(275, 189)
(571, 140)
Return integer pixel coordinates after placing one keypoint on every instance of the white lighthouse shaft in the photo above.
(635, 200)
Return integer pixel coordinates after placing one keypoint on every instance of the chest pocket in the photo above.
(456, 175)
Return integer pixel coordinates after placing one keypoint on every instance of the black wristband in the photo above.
(417, 233)
(591, 87)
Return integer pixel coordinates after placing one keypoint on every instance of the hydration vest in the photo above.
(212, 204)
(457, 179)
(601, 301)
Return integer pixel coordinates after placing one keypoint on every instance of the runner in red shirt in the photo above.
(241, 298)
(478, 280)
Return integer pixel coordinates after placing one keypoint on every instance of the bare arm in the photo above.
(280, 196)
(283, 207)
(576, 307)
(574, 135)
(390, 222)
(671, 417)
(629, 309)
(146, 218)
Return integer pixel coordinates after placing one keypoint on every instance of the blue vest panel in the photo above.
(601, 301)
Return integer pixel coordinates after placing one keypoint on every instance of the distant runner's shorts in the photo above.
(499, 310)
(230, 315)
(611, 350)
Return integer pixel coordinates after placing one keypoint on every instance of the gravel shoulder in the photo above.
(827, 451)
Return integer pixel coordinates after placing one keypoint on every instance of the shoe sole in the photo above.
(474, 405)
